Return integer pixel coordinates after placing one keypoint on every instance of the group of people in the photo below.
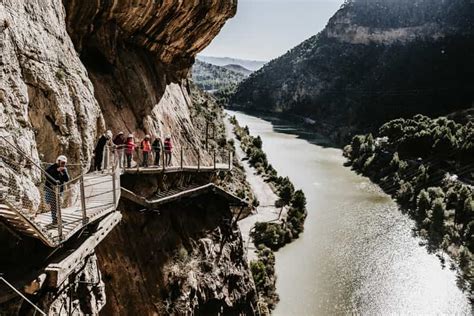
(58, 174)
(127, 145)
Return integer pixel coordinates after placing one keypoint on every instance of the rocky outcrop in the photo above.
(70, 70)
(46, 98)
(132, 62)
(374, 61)
(177, 262)
(138, 56)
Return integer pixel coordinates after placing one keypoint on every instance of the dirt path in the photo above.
(266, 212)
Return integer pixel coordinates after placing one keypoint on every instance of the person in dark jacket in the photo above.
(58, 175)
(157, 150)
(99, 150)
(119, 142)
(168, 146)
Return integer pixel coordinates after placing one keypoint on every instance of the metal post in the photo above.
(58, 212)
(83, 200)
(181, 158)
(163, 158)
(199, 159)
(230, 159)
(106, 160)
(207, 133)
(114, 187)
(214, 159)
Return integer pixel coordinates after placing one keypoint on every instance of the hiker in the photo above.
(146, 149)
(168, 146)
(156, 146)
(58, 172)
(129, 148)
(99, 150)
(119, 141)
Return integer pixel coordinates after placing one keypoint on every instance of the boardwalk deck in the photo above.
(181, 193)
(177, 169)
(99, 201)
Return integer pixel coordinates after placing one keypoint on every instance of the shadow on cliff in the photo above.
(186, 258)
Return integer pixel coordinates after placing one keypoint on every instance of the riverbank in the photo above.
(279, 214)
(266, 211)
(357, 254)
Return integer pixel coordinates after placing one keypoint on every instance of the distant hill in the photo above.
(252, 65)
(237, 68)
(375, 61)
(220, 81)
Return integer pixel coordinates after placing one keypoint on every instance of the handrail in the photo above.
(21, 294)
(27, 157)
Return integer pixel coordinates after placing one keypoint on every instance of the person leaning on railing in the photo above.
(57, 172)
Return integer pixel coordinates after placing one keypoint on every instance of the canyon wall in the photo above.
(70, 70)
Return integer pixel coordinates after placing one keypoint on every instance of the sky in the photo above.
(266, 29)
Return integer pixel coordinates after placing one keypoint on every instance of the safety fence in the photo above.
(180, 158)
(55, 210)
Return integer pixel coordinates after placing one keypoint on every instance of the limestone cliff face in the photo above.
(69, 70)
(138, 56)
(47, 102)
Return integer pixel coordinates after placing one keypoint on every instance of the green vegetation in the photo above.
(350, 86)
(219, 81)
(263, 272)
(273, 235)
(427, 165)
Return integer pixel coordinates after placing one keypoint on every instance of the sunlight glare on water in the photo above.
(357, 254)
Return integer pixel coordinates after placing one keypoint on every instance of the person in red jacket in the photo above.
(129, 148)
(146, 149)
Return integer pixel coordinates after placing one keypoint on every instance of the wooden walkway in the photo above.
(177, 169)
(100, 199)
(180, 193)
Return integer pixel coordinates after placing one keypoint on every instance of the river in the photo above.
(357, 254)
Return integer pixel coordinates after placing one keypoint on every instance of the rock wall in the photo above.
(186, 259)
(138, 56)
(47, 102)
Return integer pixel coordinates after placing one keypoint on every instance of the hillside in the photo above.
(214, 78)
(252, 65)
(426, 164)
(363, 70)
(237, 68)
(220, 81)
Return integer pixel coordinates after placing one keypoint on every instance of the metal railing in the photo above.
(21, 295)
(31, 190)
(181, 157)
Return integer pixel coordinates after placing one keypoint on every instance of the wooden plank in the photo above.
(59, 272)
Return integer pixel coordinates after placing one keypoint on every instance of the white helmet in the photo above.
(61, 158)
(147, 136)
(130, 135)
(109, 134)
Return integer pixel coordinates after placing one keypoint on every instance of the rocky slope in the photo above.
(166, 263)
(374, 61)
(70, 70)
